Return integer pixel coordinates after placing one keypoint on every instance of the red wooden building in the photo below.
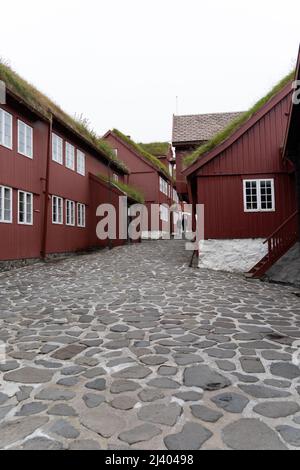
(164, 152)
(246, 187)
(49, 165)
(148, 174)
(191, 131)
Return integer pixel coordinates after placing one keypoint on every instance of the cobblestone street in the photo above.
(131, 349)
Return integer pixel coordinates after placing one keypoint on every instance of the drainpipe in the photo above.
(110, 245)
(297, 176)
(46, 206)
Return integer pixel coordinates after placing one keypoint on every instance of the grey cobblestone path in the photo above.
(131, 349)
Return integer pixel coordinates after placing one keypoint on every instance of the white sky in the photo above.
(121, 63)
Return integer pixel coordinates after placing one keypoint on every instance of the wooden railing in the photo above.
(284, 237)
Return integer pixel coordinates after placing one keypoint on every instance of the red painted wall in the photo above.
(22, 173)
(256, 155)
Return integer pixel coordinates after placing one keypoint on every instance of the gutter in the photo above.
(46, 202)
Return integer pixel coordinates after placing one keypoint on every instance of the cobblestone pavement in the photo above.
(131, 349)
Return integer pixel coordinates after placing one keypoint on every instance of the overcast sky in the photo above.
(121, 63)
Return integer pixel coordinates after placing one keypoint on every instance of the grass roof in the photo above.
(157, 149)
(131, 191)
(223, 135)
(140, 150)
(47, 108)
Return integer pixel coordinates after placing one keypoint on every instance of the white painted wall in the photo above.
(237, 256)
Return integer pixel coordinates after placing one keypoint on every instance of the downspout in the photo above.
(110, 245)
(46, 206)
(297, 177)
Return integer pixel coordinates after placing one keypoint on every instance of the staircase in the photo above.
(278, 244)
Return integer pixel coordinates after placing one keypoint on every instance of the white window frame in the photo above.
(28, 135)
(81, 215)
(115, 177)
(164, 213)
(5, 115)
(2, 220)
(163, 186)
(26, 221)
(55, 200)
(259, 195)
(80, 164)
(70, 164)
(58, 145)
(70, 213)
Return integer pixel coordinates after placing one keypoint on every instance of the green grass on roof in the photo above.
(151, 158)
(131, 191)
(157, 149)
(227, 132)
(46, 107)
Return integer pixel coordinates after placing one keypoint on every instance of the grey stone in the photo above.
(41, 443)
(260, 391)
(119, 386)
(3, 398)
(153, 360)
(206, 414)
(246, 378)
(65, 429)
(275, 356)
(251, 434)
(117, 344)
(189, 396)
(136, 372)
(290, 435)
(160, 413)
(142, 433)
(277, 409)
(149, 395)
(96, 372)
(220, 353)
(68, 352)
(84, 444)
(102, 420)
(164, 383)
(4, 410)
(192, 437)
(92, 400)
(68, 381)
(167, 371)
(16, 430)
(206, 378)
(252, 365)
(231, 402)
(227, 366)
(32, 408)
(7, 366)
(123, 402)
(277, 383)
(29, 375)
(187, 359)
(55, 394)
(98, 384)
(73, 370)
(62, 409)
(287, 371)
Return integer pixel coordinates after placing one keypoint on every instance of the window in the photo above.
(163, 186)
(80, 163)
(5, 129)
(164, 213)
(259, 195)
(57, 149)
(5, 204)
(70, 156)
(57, 210)
(115, 177)
(70, 213)
(175, 196)
(25, 139)
(170, 169)
(25, 208)
(115, 152)
(80, 215)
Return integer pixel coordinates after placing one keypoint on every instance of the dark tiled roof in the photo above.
(200, 127)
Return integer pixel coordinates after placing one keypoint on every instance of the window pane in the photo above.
(7, 130)
(29, 141)
(7, 204)
(21, 137)
(251, 195)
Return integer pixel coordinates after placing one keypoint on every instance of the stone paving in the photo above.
(131, 349)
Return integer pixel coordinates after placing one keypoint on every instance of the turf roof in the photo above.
(223, 135)
(140, 150)
(47, 108)
(158, 149)
(131, 191)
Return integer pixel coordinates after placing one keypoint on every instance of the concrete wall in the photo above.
(287, 269)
